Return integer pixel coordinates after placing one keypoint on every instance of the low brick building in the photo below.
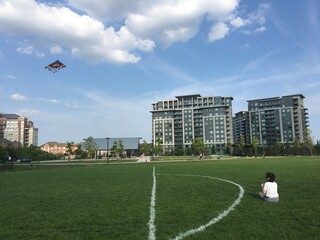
(56, 148)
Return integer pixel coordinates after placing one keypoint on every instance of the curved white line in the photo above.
(152, 226)
(220, 216)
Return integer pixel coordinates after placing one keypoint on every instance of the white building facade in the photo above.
(176, 123)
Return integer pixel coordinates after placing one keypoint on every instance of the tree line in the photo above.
(89, 148)
(198, 147)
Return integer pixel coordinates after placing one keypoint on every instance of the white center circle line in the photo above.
(152, 227)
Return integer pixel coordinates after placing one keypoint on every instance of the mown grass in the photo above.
(112, 201)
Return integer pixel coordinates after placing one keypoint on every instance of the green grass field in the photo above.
(113, 201)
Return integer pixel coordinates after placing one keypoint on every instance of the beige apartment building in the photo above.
(15, 128)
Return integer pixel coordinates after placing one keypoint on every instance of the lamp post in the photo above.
(139, 145)
(107, 150)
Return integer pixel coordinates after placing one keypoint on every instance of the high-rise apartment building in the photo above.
(19, 129)
(241, 127)
(279, 119)
(177, 122)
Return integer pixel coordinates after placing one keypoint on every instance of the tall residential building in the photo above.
(18, 129)
(33, 136)
(175, 123)
(278, 119)
(241, 127)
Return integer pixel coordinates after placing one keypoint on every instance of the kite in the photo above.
(55, 66)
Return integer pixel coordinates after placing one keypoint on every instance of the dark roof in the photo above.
(9, 116)
(294, 95)
(276, 98)
(128, 143)
(52, 144)
(191, 95)
(264, 99)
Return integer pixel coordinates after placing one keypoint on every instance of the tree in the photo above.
(278, 146)
(287, 148)
(145, 148)
(120, 149)
(317, 147)
(297, 146)
(3, 153)
(255, 143)
(90, 146)
(179, 151)
(117, 149)
(157, 147)
(33, 152)
(228, 148)
(69, 150)
(198, 146)
(79, 153)
(241, 144)
(308, 141)
(213, 149)
(114, 148)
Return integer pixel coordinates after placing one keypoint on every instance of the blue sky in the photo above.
(122, 56)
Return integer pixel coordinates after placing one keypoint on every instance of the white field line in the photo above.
(152, 226)
(220, 216)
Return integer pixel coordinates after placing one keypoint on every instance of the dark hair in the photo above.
(270, 177)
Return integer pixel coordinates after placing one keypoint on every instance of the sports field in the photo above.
(214, 199)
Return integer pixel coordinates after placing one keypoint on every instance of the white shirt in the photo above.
(271, 189)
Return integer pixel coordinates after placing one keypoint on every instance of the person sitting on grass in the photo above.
(269, 189)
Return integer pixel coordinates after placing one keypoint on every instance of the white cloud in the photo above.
(55, 101)
(218, 31)
(56, 49)
(168, 22)
(32, 114)
(29, 50)
(69, 105)
(109, 10)
(26, 50)
(18, 97)
(237, 22)
(72, 105)
(11, 77)
(92, 40)
(260, 29)
(257, 18)
(115, 31)
(246, 32)
(39, 54)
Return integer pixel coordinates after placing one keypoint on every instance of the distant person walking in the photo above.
(269, 189)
